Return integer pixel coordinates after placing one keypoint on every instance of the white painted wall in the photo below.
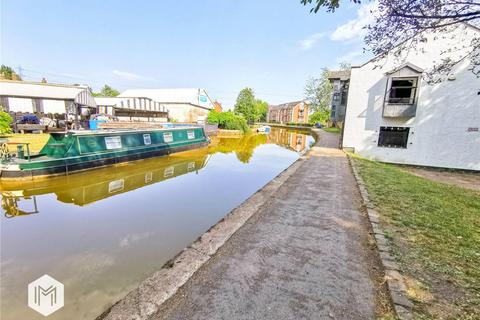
(183, 112)
(439, 133)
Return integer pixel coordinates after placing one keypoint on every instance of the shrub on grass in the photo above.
(228, 120)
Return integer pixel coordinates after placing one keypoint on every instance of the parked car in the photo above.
(318, 125)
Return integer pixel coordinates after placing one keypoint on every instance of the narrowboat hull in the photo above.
(66, 153)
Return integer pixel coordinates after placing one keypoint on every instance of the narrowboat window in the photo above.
(148, 177)
(169, 172)
(191, 166)
(191, 135)
(116, 185)
(113, 142)
(393, 137)
(147, 139)
(168, 137)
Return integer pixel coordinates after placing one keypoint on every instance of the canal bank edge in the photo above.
(396, 285)
(145, 300)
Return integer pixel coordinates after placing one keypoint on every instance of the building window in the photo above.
(402, 90)
(393, 137)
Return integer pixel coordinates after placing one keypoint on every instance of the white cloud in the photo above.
(130, 76)
(309, 42)
(354, 29)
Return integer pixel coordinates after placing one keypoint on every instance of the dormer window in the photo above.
(403, 90)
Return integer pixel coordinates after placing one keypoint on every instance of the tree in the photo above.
(245, 105)
(8, 73)
(397, 21)
(261, 109)
(319, 116)
(107, 91)
(318, 91)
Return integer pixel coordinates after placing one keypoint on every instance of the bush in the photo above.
(5, 121)
(319, 116)
(228, 120)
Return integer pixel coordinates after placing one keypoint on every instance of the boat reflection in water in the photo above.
(94, 185)
(102, 232)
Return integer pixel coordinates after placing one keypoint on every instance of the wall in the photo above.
(185, 112)
(439, 133)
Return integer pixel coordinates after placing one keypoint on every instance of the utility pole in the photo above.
(20, 72)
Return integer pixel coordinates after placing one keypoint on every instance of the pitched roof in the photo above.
(27, 89)
(339, 74)
(181, 95)
(142, 103)
(286, 105)
(406, 65)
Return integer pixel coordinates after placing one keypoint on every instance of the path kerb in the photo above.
(396, 285)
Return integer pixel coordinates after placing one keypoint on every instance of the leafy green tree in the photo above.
(261, 109)
(5, 121)
(8, 73)
(245, 105)
(107, 91)
(318, 91)
(319, 116)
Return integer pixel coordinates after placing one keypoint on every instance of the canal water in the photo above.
(102, 232)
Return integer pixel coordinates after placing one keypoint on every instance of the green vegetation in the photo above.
(318, 91)
(253, 110)
(8, 73)
(261, 109)
(5, 122)
(319, 116)
(435, 232)
(228, 120)
(107, 91)
(245, 105)
(332, 130)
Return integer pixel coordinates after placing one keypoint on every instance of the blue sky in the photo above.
(273, 46)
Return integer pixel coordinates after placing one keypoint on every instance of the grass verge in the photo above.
(434, 229)
(332, 130)
(37, 141)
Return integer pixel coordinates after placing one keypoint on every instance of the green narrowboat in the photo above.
(67, 152)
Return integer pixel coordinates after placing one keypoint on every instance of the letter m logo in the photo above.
(45, 295)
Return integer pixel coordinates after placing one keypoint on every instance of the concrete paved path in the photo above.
(304, 255)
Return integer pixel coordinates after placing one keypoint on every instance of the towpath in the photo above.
(304, 255)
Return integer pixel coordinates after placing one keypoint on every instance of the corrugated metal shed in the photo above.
(193, 96)
(81, 95)
(145, 104)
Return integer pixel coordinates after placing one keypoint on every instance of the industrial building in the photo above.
(183, 105)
